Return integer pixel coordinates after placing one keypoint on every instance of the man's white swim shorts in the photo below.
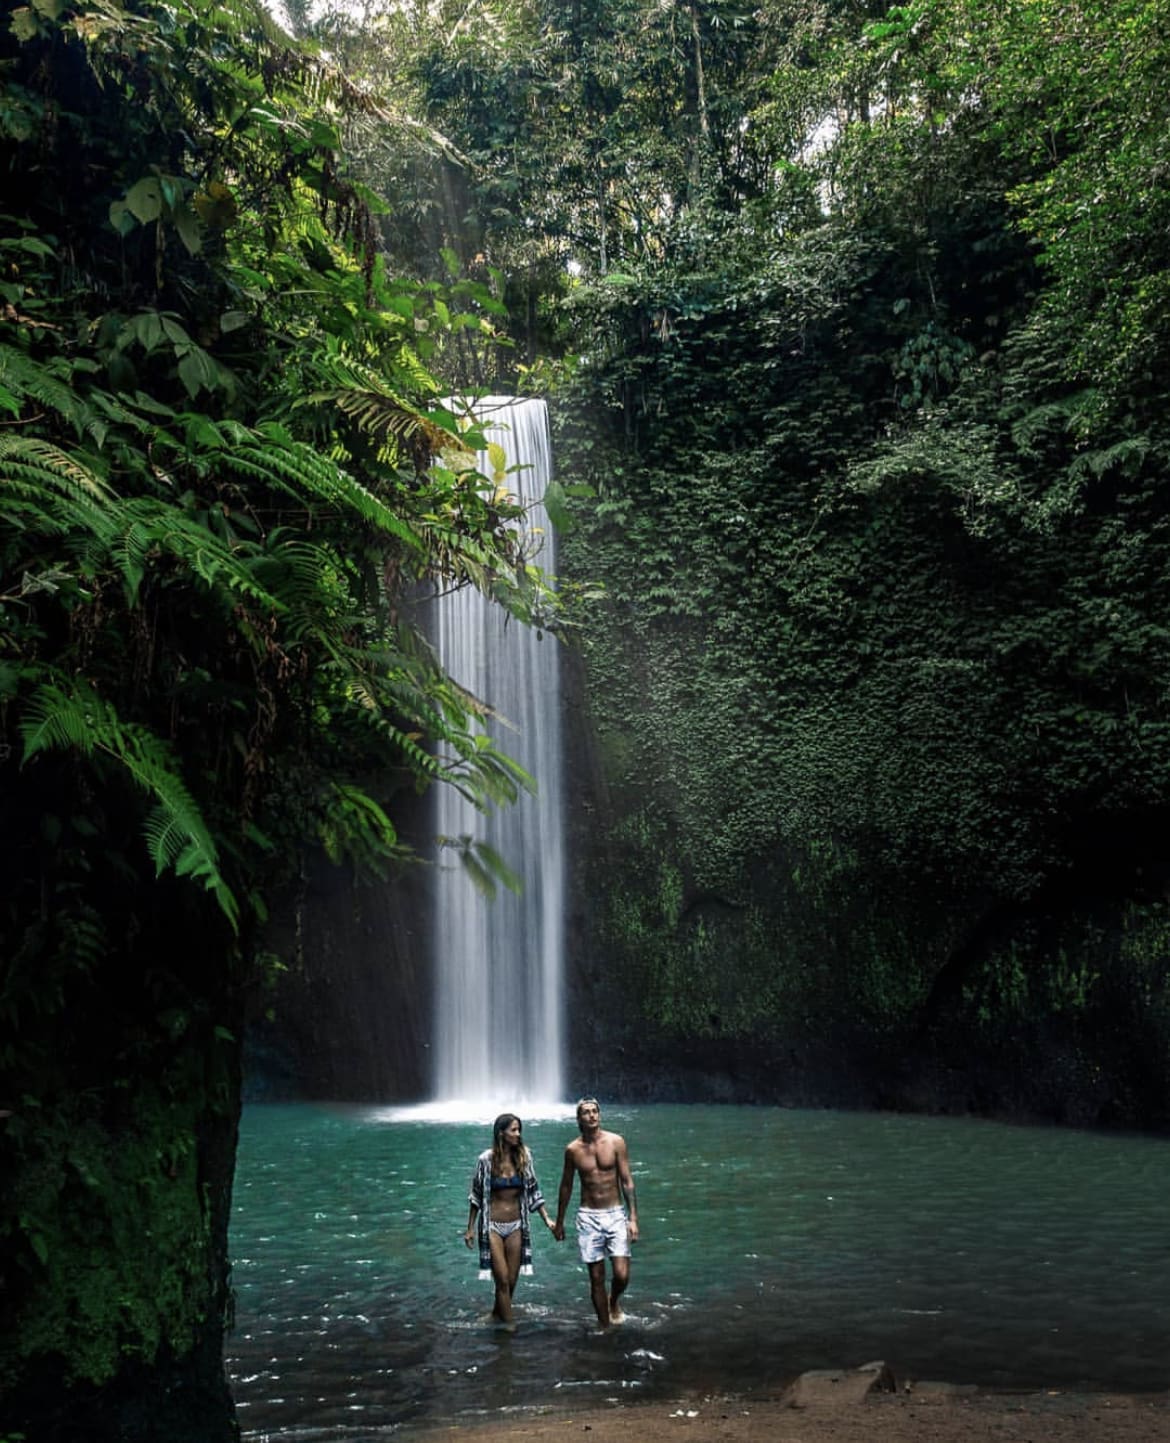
(602, 1233)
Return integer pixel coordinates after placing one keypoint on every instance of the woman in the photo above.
(504, 1193)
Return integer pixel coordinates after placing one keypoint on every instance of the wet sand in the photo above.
(850, 1406)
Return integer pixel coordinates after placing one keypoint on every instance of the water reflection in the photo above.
(773, 1241)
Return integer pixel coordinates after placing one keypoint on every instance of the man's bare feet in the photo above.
(616, 1315)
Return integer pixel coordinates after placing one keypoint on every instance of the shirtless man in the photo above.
(600, 1160)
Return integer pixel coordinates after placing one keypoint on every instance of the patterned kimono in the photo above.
(531, 1201)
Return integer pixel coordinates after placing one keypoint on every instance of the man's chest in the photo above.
(600, 1159)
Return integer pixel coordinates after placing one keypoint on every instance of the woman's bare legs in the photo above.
(513, 1250)
(505, 1271)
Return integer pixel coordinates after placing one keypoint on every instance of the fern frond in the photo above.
(54, 465)
(418, 379)
(47, 383)
(451, 716)
(1038, 422)
(148, 526)
(1127, 455)
(304, 474)
(422, 761)
(384, 415)
(165, 839)
(362, 393)
(60, 716)
(407, 701)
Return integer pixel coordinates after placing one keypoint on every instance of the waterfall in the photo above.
(498, 1037)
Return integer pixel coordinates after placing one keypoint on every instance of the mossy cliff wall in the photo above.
(718, 954)
(872, 757)
(119, 1107)
(115, 1274)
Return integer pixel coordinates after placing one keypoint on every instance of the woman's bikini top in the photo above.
(501, 1182)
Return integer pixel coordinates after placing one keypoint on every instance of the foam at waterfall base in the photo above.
(459, 1111)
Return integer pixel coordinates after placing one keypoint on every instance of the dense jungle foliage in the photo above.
(854, 322)
(223, 464)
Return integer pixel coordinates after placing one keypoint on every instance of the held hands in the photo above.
(469, 1237)
(558, 1231)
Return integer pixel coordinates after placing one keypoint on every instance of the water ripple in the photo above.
(773, 1241)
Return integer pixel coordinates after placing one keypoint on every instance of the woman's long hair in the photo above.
(502, 1163)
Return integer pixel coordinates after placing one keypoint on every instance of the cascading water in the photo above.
(498, 1033)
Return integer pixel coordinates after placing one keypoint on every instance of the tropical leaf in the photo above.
(484, 866)
(60, 715)
(312, 479)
